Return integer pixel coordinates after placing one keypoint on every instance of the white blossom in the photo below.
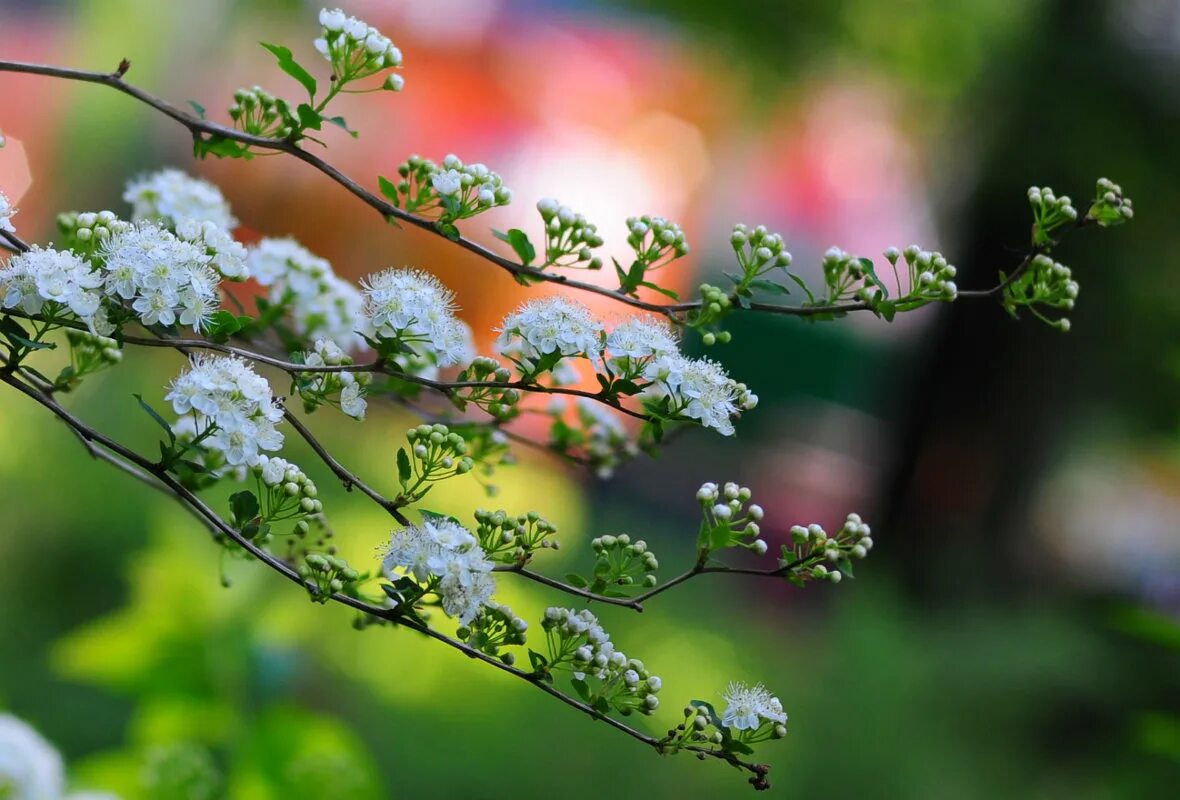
(167, 280)
(414, 307)
(226, 254)
(30, 768)
(171, 196)
(42, 275)
(551, 325)
(232, 405)
(446, 550)
(447, 183)
(699, 388)
(7, 212)
(355, 48)
(749, 706)
(639, 339)
(321, 303)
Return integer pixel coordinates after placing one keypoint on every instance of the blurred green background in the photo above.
(1015, 630)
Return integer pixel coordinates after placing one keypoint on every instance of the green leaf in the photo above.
(340, 123)
(537, 661)
(576, 580)
(219, 147)
(389, 189)
(289, 65)
(657, 288)
(627, 388)
(154, 415)
(769, 287)
(223, 325)
(520, 243)
(309, 117)
(29, 344)
(582, 688)
(197, 107)
(244, 506)
(404, 473)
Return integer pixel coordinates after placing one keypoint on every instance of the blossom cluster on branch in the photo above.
(154, 279)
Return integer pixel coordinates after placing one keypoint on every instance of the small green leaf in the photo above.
(520, 243)
(657, 288)
(289, 65)
(309, 117)
(582, 688)
(769, 287)
(244, 506)
(576, 580)
(197, 107)
(154, 415)
(219, 147)
(389, 189)
(538, 661)
(340, 123)
(404, 473)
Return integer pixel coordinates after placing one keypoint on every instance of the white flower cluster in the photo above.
(475, 187)
(31, 768)
(171, 196)
(290, 483)
(167, 280)
(322, 303)
(750, 707)
(7, 212)
(635, 343)
(226, 254)
(700, 389)
(597, 656)
(356, 49)
(233, 409)
(1110, 206)
(724, 506)
(90, 229)
(350, 386)
(655, 240)
(413, 307)
(568, 236)
(444, 549)
(31, 279)
(758, 249)
(550, 325)
(930, 274)
(1049, 210)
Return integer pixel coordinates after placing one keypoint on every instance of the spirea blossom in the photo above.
(32, 279)
(231, 405)
(7, 212)
(30, 768)
(551, 325)
(226, 254)
(699, 389)
(444, 549)
(750, 706)
(171, 196)
(355, 48)
(415, 308)
(321, 303)
(166, 279)
(635, 342)
(349, 385)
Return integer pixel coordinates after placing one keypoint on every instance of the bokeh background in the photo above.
(1015, 630)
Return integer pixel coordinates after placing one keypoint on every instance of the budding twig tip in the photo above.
(124, 65)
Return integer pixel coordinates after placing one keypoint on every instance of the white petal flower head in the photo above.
(166, 278)
(700, 389)
(232, 402)
(445, 549)
(750, 706)
(30, 768)
(7, 212)
(226, 254)
(352, 401)
(171, 196)
(447, 183)
(548, 325)
(641, 337)
(414, 307)
(41, 275)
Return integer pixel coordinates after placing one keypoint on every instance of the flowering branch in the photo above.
(162, 270)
